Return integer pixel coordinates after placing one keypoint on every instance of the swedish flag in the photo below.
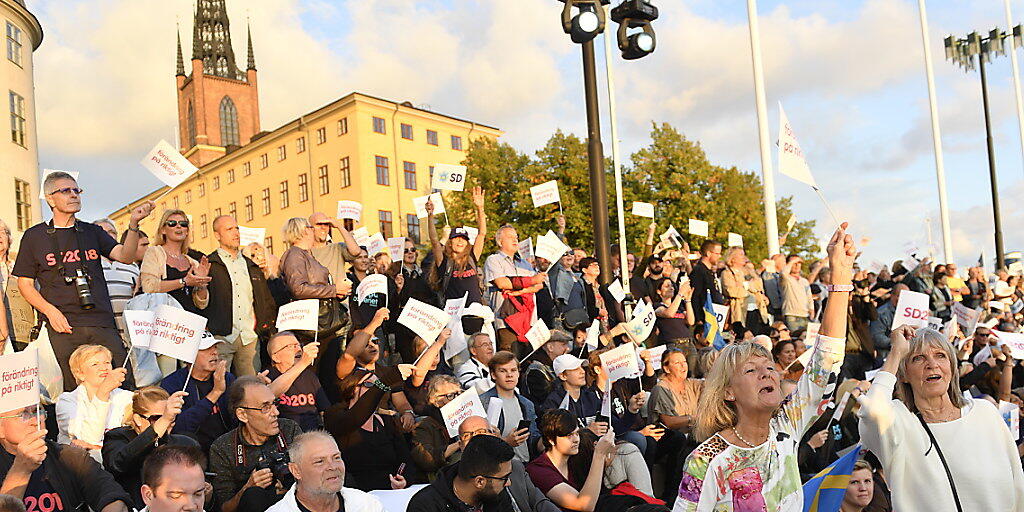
(825, 492)
(712, 331)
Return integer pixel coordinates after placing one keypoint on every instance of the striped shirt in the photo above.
(121, 284)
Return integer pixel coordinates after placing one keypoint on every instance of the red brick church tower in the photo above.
(218, 105)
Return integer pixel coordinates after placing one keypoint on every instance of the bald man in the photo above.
(526, 495)
(332, 255)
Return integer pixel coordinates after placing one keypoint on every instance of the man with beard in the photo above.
(476, 483)
(319, 473)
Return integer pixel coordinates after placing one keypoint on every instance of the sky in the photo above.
(850, 74)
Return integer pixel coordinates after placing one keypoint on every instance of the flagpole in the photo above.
(767, 177)
(620, 209)
(189, 375)
(1016, 73)
(827, 206)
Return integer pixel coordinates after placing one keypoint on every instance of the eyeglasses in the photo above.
(288, 346)
(265, 408)
(502, 479)
(409, 250)
(477, 432)
(68, 190)
(152, 418)
(173, 223)
(449, 396)
(323, 224)
(28, 414)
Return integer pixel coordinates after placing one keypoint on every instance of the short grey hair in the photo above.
(53, 177)
(299, 443)
(293, 229)
(502, 229)
(436, 382)
(108, 222)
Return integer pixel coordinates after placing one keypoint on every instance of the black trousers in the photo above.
(65, 343)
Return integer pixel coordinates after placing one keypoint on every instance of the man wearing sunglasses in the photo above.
(476, 483)
(62, 258)
(333, 255)
(44, 474)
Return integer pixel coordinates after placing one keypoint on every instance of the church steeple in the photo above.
(211, 40)
(252, 58)
(181, 61)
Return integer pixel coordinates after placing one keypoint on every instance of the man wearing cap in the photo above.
(573, 394)
(538, 377)
(204, 415)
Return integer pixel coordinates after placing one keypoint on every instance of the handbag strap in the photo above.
(938, 450)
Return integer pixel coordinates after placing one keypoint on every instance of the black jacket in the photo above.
(703, 279)
(219, 311)
(79, 480)
(439, 496)
(124, 451)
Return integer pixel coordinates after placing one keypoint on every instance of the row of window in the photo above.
(380, 126)
(381, 164)
(14, 44)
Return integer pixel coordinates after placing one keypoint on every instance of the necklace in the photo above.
(737, 432)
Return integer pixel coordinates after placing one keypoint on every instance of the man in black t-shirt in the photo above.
(62, 258)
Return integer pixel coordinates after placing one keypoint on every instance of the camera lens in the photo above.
(81, 282)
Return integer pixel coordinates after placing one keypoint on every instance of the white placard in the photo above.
(460, 408)
(643, 209)
(841, 407)
(375, 244)
(397, 500)
(912, 309)
(47, 172)
(362, 236)
(449, 177)
(721, 312)
(19, 380)
(672, 237)
(248, 235)
(300, 315)
(618, 293)
(350, 210)
(620, 362)
(791, 158)
(640, 326)
(594, 334)
(176, 333)
(550, 247)
(869, 375)
(373, 283)
(698, 227)
(606, 403)
(1013, 340)
(168, 165)
(423, 319)
(545, 193)
(935, 323)
(1011, 415)
(735, 240)
(139, 325)
(966, 317)
(420, 203)
(472, 232)
(538, 334)
(656, 354)
(494, 411)
(396, 248)
(526, 249)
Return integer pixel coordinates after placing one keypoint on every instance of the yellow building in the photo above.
(360, 148)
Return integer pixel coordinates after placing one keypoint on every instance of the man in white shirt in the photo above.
(474, 371)
(319, 473)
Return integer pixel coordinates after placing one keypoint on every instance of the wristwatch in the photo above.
(839, 288)
(183, 282)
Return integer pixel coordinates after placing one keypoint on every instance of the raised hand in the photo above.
(841, 254)
(478, 197)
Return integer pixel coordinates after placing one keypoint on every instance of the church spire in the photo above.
(211, 38)
(181, 63)
(252, 58)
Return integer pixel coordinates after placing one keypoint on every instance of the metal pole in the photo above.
(1000, 255)
(767, 176)
(1016, 74)
(595, 156)
(620, 210)
(940, 167)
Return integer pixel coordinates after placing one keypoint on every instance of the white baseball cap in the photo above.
(207, 341)
(566, 362)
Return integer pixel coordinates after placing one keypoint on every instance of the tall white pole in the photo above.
(1016, 74)
(767, 174)
(940, 170)
(609, 33)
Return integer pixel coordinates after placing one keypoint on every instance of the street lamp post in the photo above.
(962, 51)
(595, 157)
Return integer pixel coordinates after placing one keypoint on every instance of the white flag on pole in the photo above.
(375, 244)
(449, 177)
(735, 240)
(640, 326)
(396, 248)
(168, 165)
(300, 315)
(643, 209)
(550, 247)
(461, 407)
(545, 193)
(594, 334)
(911, 309)
(362, 236)
(620, 362)
(248, 236)
(423, 319)
(792, 162)
(350, 210)
(139, 325)
(176, 333)
(373, 283)
(19, 375)
(420, 203)
(538, 334)
(698, 227)
(526, 249)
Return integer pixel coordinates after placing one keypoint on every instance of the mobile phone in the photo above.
(401, 468)
(601, 419)
(523, 424)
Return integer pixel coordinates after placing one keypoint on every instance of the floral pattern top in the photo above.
(722, 477)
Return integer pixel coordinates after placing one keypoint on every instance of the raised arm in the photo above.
(481, 223)
(426, 360)
(585, 499)
(347, 361)
(435, 244)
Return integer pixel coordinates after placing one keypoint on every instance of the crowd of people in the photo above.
(321, 421)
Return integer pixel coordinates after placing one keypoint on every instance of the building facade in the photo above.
(19, 156)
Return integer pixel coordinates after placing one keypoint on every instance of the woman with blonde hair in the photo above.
(168, 268)
(750, 431)
(96, 405)
(940, 450)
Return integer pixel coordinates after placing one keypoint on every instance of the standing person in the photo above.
(96, 405)
(510, 279)
(748, 457)
(771, 276)
(565, 283)
(169, 268)
(62, 258)
(416, 285)
(977, 288)
(674, 316)
(477, 483)
(173, 480)
(455, 272)
(597, 300)
(942, 297)
(704, 277)
(797, 302)
(956, 283)
(204, 414)
(332, 255)
(294, 382)
(515, 408)
(6, 318)
(881, 326)
(122, 278)
(242, 307)
(940, 450)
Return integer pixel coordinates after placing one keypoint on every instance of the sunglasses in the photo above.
(323, 224)
(409, 250)
(173, 223)
(67, 190)
(152, 418)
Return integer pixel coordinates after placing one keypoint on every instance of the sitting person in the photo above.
(204, 415)
(673, 404)
(474, 371)
(574, 395)
(319, 473)
(538, 376)
(550, 472)
(249, 463)
(96, 405)
(516, 410)
(477, 482)
(173, 480)
(125, 448)
(294, 381)
(432, 447)
(860, 490)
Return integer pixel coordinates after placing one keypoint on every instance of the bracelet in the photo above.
(839, 288)
(381, 386)
(407, 411)
(135, 229)
(182, 280)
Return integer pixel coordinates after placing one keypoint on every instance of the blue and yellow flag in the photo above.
(825, 492)
(712, 331)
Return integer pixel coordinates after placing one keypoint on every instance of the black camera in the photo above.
(277, 463)
(81, 283)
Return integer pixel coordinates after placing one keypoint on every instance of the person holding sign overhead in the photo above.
(62, 258)
(750, 430)
(454, 272)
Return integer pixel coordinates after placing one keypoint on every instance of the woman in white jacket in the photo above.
(96, 405)
(940, 451)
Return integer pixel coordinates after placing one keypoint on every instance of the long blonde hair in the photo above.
(715, 413)
(922, 339)
(161, 239)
